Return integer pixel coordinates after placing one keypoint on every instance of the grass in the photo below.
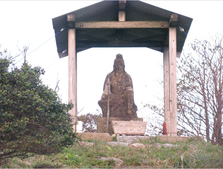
(193, 154)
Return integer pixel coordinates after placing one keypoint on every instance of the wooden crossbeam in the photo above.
(122, 25)
(118, 43)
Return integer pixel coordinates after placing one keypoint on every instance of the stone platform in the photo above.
(134, 139)
(161, 138)
(95, 136)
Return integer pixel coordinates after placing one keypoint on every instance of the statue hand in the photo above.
(129, 112)
(104, 96)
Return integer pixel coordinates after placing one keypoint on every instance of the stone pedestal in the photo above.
(129, 127)
(102, 123)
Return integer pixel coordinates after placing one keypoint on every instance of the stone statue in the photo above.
(118, 89)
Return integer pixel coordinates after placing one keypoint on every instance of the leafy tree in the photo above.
(89, 122)
(32, 117)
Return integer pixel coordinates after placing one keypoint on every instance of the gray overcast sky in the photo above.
(30, 23)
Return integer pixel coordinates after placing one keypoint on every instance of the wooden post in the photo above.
(108, 111)
(166, 72)
(121, 16)
(173, 83)
(170, 82)
(72, 68)
(121, 13)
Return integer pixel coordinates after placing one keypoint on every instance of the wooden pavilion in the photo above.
(124, 23)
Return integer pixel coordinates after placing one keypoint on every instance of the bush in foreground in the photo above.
(32, 117)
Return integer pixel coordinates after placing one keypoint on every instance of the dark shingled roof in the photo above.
(154, 38)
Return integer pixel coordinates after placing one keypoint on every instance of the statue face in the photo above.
(119, 67)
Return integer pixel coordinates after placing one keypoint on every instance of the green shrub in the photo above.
(32, 117)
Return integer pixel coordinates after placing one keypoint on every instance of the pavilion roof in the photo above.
(107, 11)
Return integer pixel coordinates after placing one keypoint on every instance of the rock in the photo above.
(157, 145)
(137, 145)
(118, 144)
(118, 162)
(132, 139)
(169, 145)
(83, 143)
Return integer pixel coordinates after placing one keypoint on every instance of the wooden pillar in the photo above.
(170, 82)
(173, 81)
(166, 72)
(72, 68)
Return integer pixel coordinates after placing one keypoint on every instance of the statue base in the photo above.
(131, 128)
(102, 123)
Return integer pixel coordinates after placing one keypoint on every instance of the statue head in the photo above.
(119, 65)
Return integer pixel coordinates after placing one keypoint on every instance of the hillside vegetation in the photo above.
(193, 154)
